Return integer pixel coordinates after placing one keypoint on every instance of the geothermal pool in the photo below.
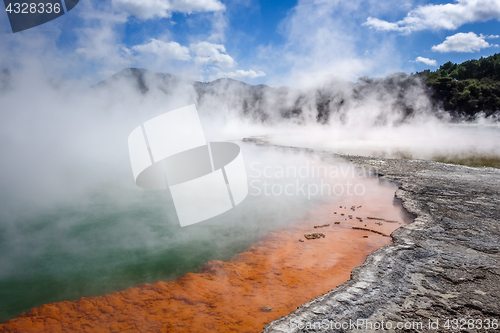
(255, 263)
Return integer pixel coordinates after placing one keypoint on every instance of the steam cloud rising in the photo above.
(63, 141)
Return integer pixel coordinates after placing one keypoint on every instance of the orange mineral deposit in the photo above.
(272, 278)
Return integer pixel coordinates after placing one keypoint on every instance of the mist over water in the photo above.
(421, 141)
(72, 221)
(113, 236)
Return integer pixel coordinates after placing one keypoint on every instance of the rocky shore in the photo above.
(444, 266)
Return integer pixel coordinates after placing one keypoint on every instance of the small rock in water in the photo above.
(314, 235)
(265, 309)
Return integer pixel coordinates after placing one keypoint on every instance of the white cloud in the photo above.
(324, 40)
(251, 74)
(170, 50)
(98, 40)
(148, 9)
(463, 42)
(202, 56)
(448, 16)
(381, 24)
(219, 25)
(212, 54)
(427, 61)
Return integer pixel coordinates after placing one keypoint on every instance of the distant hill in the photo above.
(466, 89)
(393, 99)
(461, 90)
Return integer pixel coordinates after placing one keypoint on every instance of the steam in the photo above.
(59, 138)
(67, 186)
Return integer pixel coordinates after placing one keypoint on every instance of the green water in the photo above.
(105, 244)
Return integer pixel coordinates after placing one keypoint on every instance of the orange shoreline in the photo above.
(279, 272)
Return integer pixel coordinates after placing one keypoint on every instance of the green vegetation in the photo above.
(469, 158)
(468, 88)
(491, 161)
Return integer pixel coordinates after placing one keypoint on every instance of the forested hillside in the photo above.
(467, 88)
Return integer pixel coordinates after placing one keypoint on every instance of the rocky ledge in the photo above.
(444, 266)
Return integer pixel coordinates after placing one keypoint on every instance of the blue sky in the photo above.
(295, 43)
